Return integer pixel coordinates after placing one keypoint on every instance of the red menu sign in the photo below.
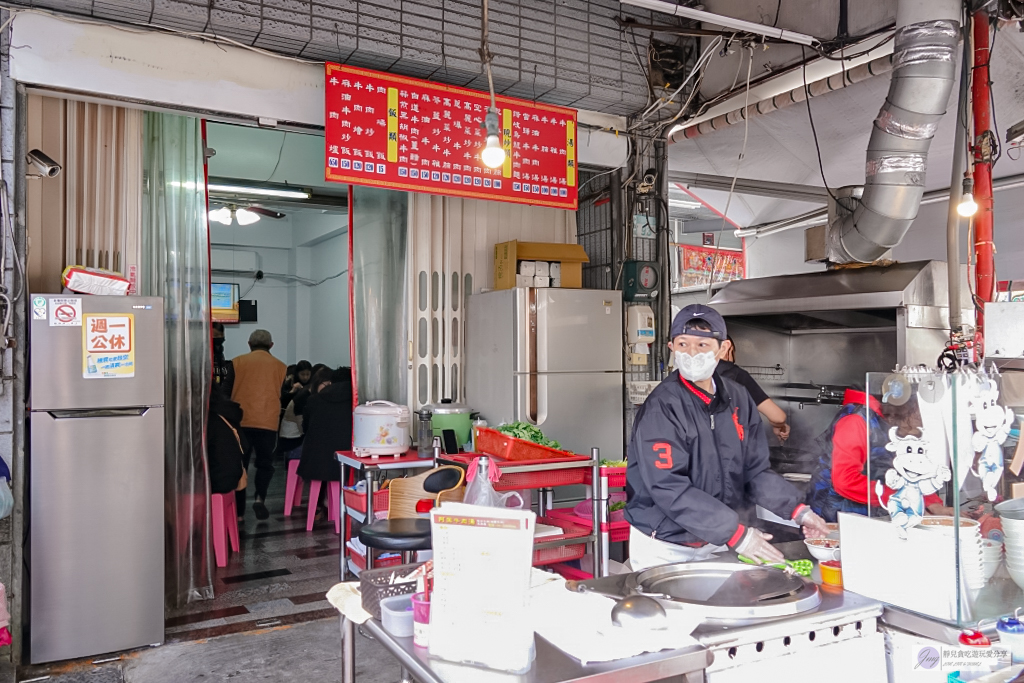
(408, 134)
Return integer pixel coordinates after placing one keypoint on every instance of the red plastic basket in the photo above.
(570, 573)
(360, 562)
(493, 442)
(617, 531)
(616, 476)
(357, 501)
(532, 480)
(562, 553)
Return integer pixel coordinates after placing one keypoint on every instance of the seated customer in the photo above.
(841, 482)
(327, 419)
(224, 445)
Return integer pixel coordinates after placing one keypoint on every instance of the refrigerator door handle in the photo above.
(103, 412)
(541, 400)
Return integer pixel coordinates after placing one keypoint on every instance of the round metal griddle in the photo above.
(726, 593)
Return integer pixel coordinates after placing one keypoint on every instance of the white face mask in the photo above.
(696, 368)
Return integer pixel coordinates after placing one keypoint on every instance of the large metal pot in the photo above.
(726, 593)
(454, 416)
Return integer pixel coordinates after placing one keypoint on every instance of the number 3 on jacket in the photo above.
(664, 452)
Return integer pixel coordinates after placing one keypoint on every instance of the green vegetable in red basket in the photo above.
(615, 507)
(613, 463)
(528, 432)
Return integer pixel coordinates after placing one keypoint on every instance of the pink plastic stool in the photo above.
(333, 503)
(292, 488)
(225, 525)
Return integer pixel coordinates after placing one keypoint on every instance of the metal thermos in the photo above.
(424, 434)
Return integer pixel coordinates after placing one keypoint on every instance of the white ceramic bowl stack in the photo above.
(991, 556)
(1013, 534)
(972, 551)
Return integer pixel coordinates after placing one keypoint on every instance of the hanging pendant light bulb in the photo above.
(246, 217)
(967, 206)
(221, 215)
(493, 154)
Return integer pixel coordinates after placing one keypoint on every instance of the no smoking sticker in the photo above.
(66, 312)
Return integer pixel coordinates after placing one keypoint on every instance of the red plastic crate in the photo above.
(360, 561)
(357, 501)
(493, 442)
(532, 480)
(616, 476)
(570, 573)
(562, 553)
(617, 531)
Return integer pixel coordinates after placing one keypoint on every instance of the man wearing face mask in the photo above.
(698, 454)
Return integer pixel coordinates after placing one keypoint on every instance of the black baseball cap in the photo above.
(683, 323)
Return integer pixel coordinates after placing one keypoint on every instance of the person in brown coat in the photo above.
(257, 388)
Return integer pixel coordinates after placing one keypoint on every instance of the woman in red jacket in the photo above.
(842, 481)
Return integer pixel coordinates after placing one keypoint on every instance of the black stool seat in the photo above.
(398, 535)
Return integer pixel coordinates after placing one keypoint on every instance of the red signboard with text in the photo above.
(408, 134)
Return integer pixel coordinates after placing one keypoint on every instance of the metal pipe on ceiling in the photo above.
(956, 186)
(857, 74)
(819, 216)
(924, 66)
(763, 188)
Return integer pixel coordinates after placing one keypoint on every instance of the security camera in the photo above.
(48, 168)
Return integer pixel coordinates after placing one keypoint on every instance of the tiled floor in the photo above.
(280, 576)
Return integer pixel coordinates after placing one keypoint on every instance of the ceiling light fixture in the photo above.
(221, 215)
(258, 191)
(493, 153)
(246, 217)
(683, 204)
(967, 206)
(727, 22)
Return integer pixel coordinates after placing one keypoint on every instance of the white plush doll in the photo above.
(992, 424)
(914, 474)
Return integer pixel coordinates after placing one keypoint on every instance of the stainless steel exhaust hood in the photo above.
(847, 298)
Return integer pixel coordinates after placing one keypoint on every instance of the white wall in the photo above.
(307, 322)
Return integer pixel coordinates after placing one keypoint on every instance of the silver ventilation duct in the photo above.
(924, 67)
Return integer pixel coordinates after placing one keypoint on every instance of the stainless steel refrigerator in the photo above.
(550, 357)
(96, 475)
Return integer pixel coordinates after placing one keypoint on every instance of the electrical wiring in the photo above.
(735, 177)
(814, 132)
(280, 154)
(635, 51)
(662, 102)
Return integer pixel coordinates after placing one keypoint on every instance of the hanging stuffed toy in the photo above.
(914, 474)
(992, 424)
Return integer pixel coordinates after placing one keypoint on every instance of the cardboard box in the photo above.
(507, 256)
(528, 268)
(541, 281)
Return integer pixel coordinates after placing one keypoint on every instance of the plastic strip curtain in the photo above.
(379, 235)
(175, 242)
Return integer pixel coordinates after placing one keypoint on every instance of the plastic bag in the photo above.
(480, 490)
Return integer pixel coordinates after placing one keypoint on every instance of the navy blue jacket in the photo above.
(695, 460)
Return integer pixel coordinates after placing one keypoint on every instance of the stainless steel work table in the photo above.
(551, 665)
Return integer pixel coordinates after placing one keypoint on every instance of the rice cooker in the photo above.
(381, 428)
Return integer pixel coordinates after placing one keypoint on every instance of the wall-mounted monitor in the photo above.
(224, 302)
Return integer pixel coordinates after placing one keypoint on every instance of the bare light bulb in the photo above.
(246, 217)
(493, 154)
(967, 206)
(221, 215)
